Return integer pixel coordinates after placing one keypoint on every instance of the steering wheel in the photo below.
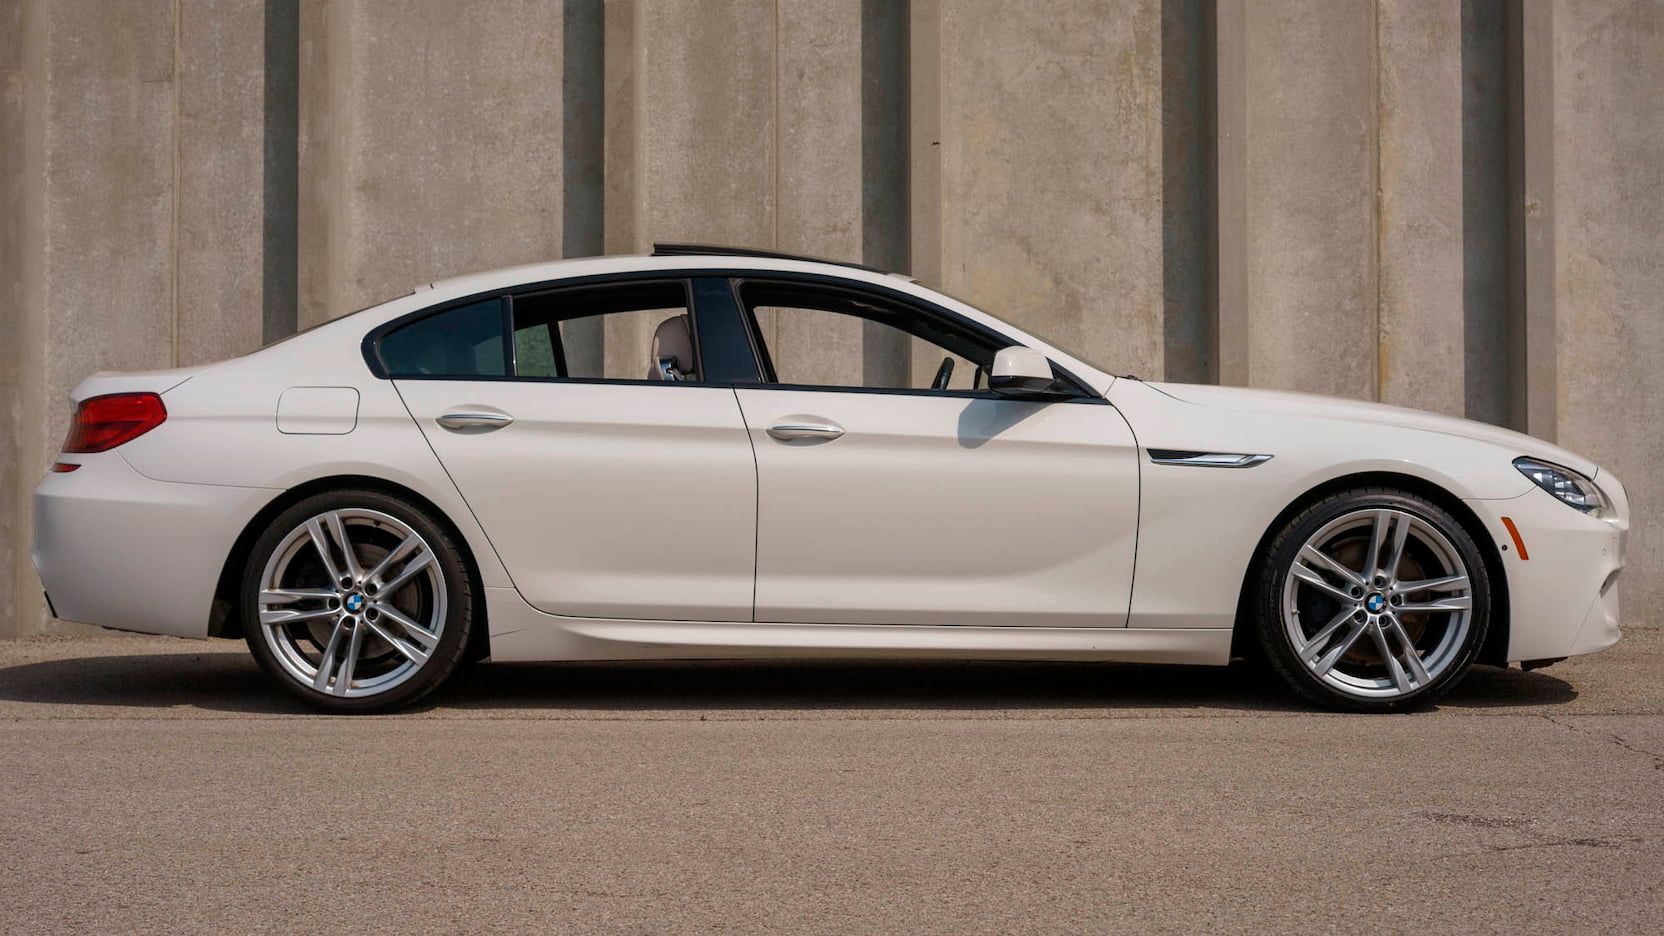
(943, 374)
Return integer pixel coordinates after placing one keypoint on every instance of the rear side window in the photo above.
(466, 341)
(606, 332)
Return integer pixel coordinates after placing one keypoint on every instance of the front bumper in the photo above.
(120, 550)
(1563, 596)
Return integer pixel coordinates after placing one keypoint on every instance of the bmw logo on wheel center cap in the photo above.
(1375, 603)
(354, 601)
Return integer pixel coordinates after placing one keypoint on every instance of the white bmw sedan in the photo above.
(689, 455)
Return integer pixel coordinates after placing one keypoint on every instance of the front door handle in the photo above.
(474, 419)
(793, 431)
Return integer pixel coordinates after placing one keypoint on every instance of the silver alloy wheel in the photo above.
(352, 602)
(1377, 603)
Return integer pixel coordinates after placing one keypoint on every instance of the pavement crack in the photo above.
(1589, 841)
(1612, 736)
(1580, 842)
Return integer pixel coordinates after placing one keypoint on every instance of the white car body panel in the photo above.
(1058, 562)
(1563, 599)
(943, 510)
(222, 430)
(1200, 526)
(666, 524)
(520, 632)
(116, 548)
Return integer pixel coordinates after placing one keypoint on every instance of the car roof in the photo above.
(529, 273)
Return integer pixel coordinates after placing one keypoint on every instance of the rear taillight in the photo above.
(104, 422)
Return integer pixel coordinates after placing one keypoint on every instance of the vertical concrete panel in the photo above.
(707, 134)
(1189, 329)
(819, 96)
(321, 143)
(1310, 195)
(885, 212)
(1422, 343)
(623, 50)
(583, 205)
(1532, 183)
(1608, 62)
(95, 231)
(584, 126)
(431, 145)
(110, 226)
(280, 171)
(884, 134)
(220, 272)
(819, 176)
(1229, 170)
(924, 141)
(1486, 160)
(15, 580)
(1051, 170)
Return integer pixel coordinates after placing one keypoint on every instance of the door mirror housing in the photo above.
(1024, 373)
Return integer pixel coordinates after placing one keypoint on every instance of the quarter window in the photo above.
(463, 342)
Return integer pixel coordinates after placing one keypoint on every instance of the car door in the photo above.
(612, 477)
(884, 499)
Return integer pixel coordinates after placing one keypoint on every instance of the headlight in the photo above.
(1567, 485)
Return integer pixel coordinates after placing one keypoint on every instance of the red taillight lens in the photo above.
(104, 422)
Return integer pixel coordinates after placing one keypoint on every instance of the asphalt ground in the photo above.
(156, 785)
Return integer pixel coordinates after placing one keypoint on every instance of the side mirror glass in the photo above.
(1024, 373)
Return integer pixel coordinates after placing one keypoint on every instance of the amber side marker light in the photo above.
(1519, 544)
(104, 422)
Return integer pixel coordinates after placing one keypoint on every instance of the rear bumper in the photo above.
(117, 549)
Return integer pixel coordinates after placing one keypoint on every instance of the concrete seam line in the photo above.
(173, 200)
(1375, 178)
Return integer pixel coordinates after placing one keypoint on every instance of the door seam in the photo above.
(756, 500)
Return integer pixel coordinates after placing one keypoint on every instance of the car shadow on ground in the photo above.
(228, 682)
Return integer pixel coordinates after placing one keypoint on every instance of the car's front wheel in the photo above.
(357, 602)
(1372, 600)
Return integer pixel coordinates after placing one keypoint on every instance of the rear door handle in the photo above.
(474, 419)
(793, 431)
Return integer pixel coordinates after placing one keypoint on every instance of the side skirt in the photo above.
(520, 632)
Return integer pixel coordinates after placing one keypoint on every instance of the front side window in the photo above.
(827, 336)
(463, 342)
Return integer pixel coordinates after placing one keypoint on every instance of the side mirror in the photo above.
(1024, 373)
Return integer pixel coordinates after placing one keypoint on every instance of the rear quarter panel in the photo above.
(222, 430)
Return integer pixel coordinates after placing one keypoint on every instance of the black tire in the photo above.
(1268, 594)
(458, 618)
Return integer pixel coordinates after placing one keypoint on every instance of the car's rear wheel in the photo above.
(357, 602)
(1373, 600)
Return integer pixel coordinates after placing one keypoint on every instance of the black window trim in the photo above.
(369, 347)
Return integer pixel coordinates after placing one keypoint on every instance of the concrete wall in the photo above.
(1449, 204)
(1608, 254)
